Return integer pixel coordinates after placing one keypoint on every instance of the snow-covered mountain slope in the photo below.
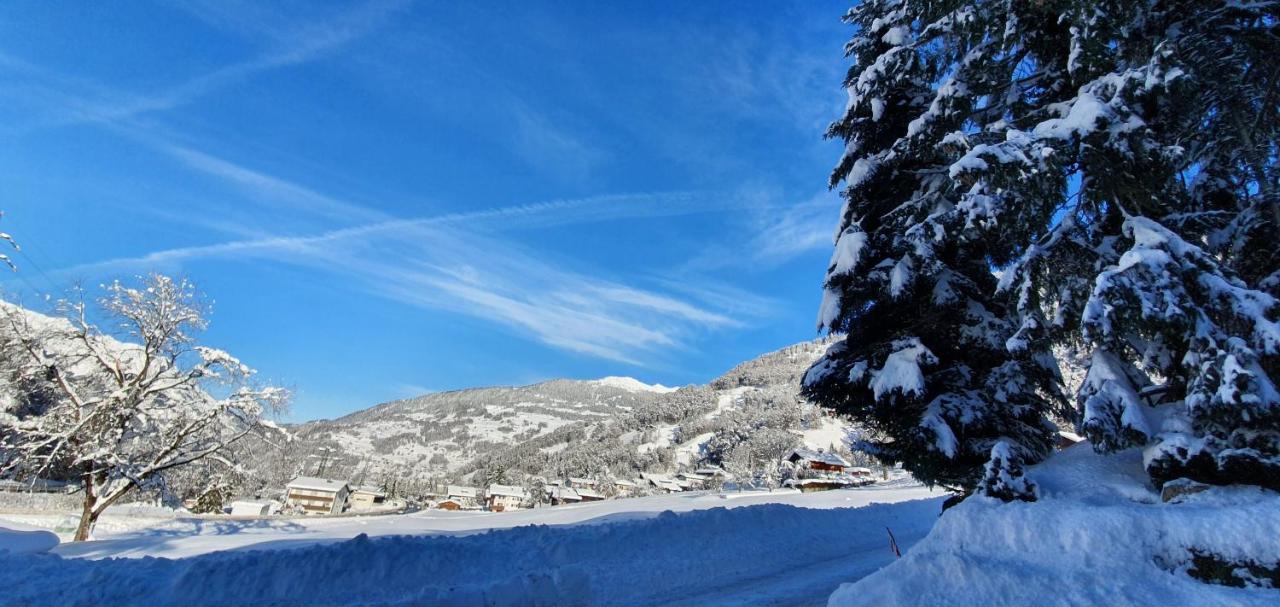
(436, 433)
(540, 429)
(745, 421)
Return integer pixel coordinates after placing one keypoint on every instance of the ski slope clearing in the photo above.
(772, 549)
(1097, 536)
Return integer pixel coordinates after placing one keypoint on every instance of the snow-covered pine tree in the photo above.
(937, 363)
(1004, 478)
(1115, 161)
(1169, 129)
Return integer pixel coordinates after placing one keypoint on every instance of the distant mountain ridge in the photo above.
(448, 434)
(440, 431)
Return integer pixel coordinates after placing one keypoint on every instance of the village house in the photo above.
(449, 504)
(563, 495)
(626, 487)
(818, 461)
(367, 498)
(464, 496)
(501, 498)
(581, 483)
(663, 482)
(694, 480)
(589, 495)
(822, 470)
(317, 495)
(250, 508)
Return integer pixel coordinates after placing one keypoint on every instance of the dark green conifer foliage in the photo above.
(1022, 176)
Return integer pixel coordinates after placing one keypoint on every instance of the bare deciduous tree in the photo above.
(118, 407)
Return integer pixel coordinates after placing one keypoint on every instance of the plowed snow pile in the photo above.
(1097, 536)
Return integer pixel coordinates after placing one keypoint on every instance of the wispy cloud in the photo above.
(771, 233)
(302, 44)
(267, 188)
(551, 147)
(799, 229)
(451, 262)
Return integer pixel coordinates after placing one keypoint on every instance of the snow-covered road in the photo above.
(771, 549)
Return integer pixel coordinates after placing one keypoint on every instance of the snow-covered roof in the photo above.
(695, 476)
(581, 481)
(624, 483)
(462, 491)
(250, 503)
(565, 494)
(825, 457)
(312, 483)
(590, 493)
(368, 489)
(250, 507)
(508, 490)
(663, 481)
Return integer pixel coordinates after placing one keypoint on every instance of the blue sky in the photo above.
(389, 198)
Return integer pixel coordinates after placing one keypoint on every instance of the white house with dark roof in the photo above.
(317, 495)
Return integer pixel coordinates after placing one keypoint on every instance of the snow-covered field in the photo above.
(1097, 535)
(780, 548)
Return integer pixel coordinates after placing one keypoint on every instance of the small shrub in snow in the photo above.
(1208, 567)
(1004, 478)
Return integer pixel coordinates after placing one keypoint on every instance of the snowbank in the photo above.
(191, 536)
(764, 554)
(1098, 536)
(22, 539)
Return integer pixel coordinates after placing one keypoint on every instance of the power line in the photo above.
(53, 286)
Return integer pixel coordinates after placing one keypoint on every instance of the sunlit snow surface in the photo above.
(780, 548)
(1097, 536)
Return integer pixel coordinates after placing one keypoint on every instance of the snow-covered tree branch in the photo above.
(118, 407)
(1029, 177)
